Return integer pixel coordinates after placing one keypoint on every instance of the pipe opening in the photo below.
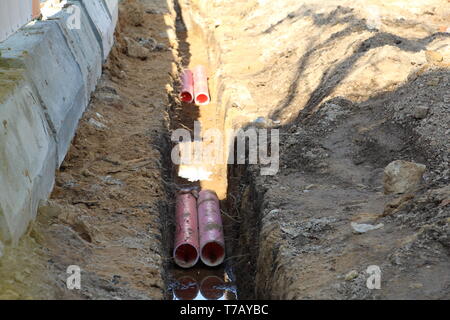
(202, 98)
(186, 97)
(186, 255)
(213, 254)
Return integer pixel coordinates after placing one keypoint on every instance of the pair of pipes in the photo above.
(195, 86)
(199, 230)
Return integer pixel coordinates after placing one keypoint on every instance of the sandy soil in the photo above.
(343, 84)
(108, 210)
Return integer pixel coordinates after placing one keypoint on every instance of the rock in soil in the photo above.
(402, 176)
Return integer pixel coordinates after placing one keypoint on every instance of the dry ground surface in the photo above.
(351, 88)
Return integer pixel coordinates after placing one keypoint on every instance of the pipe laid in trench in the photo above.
(212, 243)
(186, 251)
(187, 87)
(201, 90)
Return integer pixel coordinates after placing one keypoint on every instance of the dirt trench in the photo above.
(112, 208)
(343, 86)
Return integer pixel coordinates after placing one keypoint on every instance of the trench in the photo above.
(112, 210)
(227, 281)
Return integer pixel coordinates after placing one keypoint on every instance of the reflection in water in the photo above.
(186, 289)
(202, 284)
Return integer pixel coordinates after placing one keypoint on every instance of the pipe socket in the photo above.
(212, 243)
(201, 90)
(186, 251)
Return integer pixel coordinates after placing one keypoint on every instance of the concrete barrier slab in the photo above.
(73, 22)
(27, 153)
(102, 23)
(55, 74)
(113, 8)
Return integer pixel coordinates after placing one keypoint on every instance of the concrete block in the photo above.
(113, 8)
(82, 43)
(102, 23)
(53, 71)
(27, 151)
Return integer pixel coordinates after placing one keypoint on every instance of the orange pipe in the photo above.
(187, 89)
(186, 251)
(212, 243)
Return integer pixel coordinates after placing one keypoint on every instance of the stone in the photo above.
(402, 177)
(420, 112)
(136, 50)
(416, 285)
(97, 124)
(149, 43)
(351, 275)
(49, 212)
(363, 227)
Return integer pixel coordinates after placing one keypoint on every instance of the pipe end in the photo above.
(185, 255)
(202, 99)
(186, 97)
(213, 254)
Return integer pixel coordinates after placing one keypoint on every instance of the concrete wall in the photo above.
(48, 69)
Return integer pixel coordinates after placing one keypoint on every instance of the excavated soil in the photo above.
(350, 89)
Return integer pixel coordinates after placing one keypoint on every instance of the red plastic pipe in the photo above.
(201, 90)
(212, 243)
(187, 87)
(186, 251)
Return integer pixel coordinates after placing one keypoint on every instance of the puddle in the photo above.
(202, 283)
